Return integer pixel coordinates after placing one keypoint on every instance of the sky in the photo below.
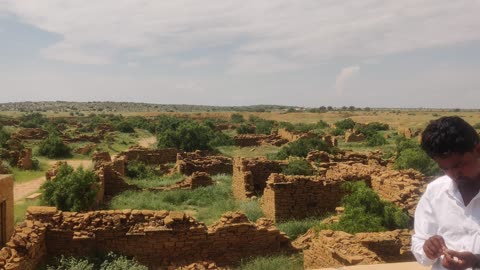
(311, 53)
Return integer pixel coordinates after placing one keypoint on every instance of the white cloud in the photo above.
(299, 33)
(343, 77)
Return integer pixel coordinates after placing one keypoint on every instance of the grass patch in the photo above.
(155, 181)
(206, 204)
(253, 151)
(28, 175)
(277, 262)
(295, 228)
(20, 209)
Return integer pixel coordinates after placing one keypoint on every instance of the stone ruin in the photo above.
(408, 132)
(291, 136)
(85, 150)
(154, 238)
(3, 168)
(6, 209)
(250, 175)
(196, 180)
(336, 248)
(95, 138)
(299, 197)
(188, 163)
(304, 196)
(30, 134)
(354, 136)
(21, 159)
(51, 173)
(245, 140)
(147, 156)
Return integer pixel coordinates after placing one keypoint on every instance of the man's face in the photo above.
(462, 168)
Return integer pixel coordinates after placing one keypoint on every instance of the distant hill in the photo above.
(65, 106)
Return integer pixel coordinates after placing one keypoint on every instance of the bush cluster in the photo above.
(298, 167)
(111, 261)
(366, 212)
(72, 190)
(33, 120)
(302, 147)
(411, 156)
(4, 136)
(53, 147)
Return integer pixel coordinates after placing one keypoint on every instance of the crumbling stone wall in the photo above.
(3, 168)
(6, 197)
(22, 158)
(292, 136)
(188, 163)
(111, 181)
(53, 171)
(196, 180)
(336, 248)
(298, 197)
(149, 156)
(245, 140)
(154, 238)
(250, 175)
(354, 136)
(30, 134)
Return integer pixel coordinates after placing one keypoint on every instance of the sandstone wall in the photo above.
(30, 134)
(336, 248)
(188, 163)
(245, 140)
(298, 197)
(6, 196)
(154, 238)
(250, 175)
(150, 156)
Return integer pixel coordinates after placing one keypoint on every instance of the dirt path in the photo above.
(148, 142)
(22, 190)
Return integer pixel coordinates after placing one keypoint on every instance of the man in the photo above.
(447, 218)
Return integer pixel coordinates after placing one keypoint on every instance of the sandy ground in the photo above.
(22, 190)
(148, 142)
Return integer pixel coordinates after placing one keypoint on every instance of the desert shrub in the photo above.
(286, 125)
(221, 139)
(53, 147)
(298, 167)
(338, 132)
(377, 126)
(416, 158)
(237, 118)
(4, 136)
(296, 227)
(402, 144)
(366, 212)
(375, 139)
(245, 129)
(111, 261)
(345, 124)
(188, 136)
(125, 127)
(33, 120)
(138, 169)
(140, 122)
(165, 123)
(264, 126)
(72, 190)
(301, 147)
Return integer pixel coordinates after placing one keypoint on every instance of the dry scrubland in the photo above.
(146, 192)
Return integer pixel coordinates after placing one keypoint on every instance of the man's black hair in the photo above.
(449, 135)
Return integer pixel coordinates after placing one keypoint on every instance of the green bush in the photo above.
(221, 139)
(264, 126)
(245, 129)
(72, 190)
(110, 262)
(4, 136)
(366, 212)
(137, 169)
(416, 158)
(33, 120)
(237, 118)
(298, 167)
(345, 124)
(276, 262)
(301, 147)
(125, 127)
(53, 147)
(295, 228)
(375, 139)
(338, 132)
(188, 136)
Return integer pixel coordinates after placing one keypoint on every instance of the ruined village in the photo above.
(258, 189)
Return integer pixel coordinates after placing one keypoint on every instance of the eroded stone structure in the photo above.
(6, 209)
(245, 140)
(336, 248)
(196, 180)
(354, 136)
(188, 163)
(298, 197)
(148, 156)
(250, 175)
(30, 134)
(154, 238)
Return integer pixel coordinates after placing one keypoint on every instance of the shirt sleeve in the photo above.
(425, 227)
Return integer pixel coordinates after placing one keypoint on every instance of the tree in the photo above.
(53, 147)
(72, 190)
(188, 136)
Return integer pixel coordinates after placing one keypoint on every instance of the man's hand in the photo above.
(455, 260)
(434, 247)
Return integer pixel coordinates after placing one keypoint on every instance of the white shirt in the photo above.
(441, 211)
